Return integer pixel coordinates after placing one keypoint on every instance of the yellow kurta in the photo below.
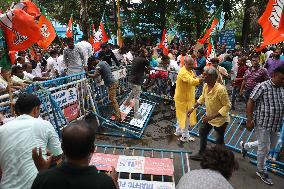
(185, 96)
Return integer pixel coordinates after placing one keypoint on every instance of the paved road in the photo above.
(159, 134)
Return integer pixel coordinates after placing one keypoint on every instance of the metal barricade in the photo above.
(180, 161)
(235, 133)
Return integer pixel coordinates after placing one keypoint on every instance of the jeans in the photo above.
(204, 131)
(112, 96)
(247, 95)
(235, 93)
(266, 141)
(135, 93)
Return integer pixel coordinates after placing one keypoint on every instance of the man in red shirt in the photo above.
(239, 79)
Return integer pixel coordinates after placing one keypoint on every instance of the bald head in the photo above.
(78, 141)
(188, 63)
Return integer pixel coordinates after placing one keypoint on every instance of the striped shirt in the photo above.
(269, 105)
(253, 77)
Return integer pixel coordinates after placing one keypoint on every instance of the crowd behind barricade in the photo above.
(186, 75)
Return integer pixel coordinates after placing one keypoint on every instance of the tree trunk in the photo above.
(246, 23)
(84, 18)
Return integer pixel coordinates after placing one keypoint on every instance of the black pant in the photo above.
(204, 131)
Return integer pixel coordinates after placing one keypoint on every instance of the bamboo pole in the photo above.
(119, 39)
(11, 96)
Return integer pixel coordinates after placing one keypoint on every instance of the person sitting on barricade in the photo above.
(103, 69)
(5, 75)
(74, 171)
(29, 77)
(185, 99)
(136, 78)
(217, 166)
(18, 137)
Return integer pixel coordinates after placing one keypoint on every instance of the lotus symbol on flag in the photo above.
(276, 13)
(6, 20)
(44, 31)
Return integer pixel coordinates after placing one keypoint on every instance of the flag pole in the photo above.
(119, 39)
(11, 96)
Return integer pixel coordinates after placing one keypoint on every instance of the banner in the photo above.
(143, 184)
(227, 37)
(133, 164)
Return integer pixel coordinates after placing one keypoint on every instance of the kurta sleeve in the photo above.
(224, 99)
(189, 79)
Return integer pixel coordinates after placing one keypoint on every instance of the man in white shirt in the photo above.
(52, 65)
(86, 48)
(18, 137)
(73, 58)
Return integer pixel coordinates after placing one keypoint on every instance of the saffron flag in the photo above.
(164, 42)
(69, 31)
(47, 32)
(29, 7)
(272, 23)
(212, 23)
(92, 34)
(20, 29)
(100, 37)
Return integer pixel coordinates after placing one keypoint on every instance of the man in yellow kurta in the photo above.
(185, 98)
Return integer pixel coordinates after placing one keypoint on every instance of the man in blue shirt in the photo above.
(201, 62)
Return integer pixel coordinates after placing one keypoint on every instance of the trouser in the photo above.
(204, 131)
(183, 132)
(112, 96)
(266, 141)
(135, 93)
(247, 95)
(235, 93)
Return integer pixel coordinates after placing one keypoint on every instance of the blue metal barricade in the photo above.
(179, 157)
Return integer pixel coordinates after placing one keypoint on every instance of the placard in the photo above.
(133, 164)
(144, 110)
(130, 164)
(227, 37)
(71, 112)
(159, 166)
(124, 110)
(143, 184)
(104, 162)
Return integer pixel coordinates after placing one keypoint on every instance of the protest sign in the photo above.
(104, 161)
(143, 184)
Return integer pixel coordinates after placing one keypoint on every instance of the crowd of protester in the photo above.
(186, 75)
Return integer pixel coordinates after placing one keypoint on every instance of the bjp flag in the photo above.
(272, 23)
(29, 7)
(69, 32)
(47, 32)
(20, 29)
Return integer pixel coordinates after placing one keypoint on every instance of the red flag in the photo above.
(164, 42)
(69, 32)
(47, 32)
(29, 7)
(92, 35)
(100, 37)
(20, 29)
(272, 23)
(12, 55)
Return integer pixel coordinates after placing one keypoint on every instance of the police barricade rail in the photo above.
(140, 167)
(235, 133)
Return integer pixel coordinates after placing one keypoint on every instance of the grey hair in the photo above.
(188, 59)
(211, 70)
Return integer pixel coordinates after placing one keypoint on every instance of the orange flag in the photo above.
(272, 23)
(47, 32)
(164, 42)
(92, 35)
(29, 7)
(20, 29)
(100, 37)
(69, 32)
